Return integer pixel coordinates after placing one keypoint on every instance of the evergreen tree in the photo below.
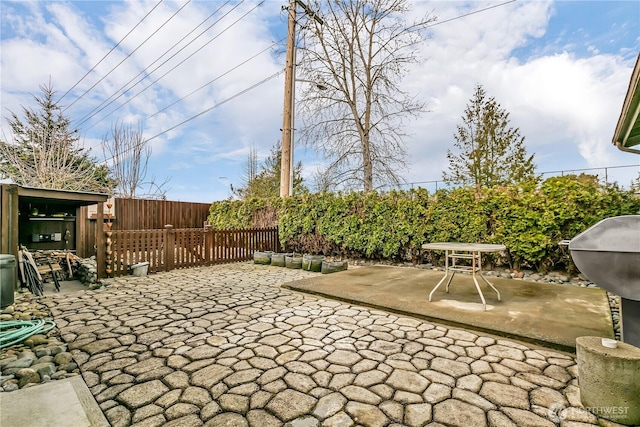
(44, 152)
(489, 152)
(266, 183)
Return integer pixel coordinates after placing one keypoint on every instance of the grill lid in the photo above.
(616, 234)
(609, 255)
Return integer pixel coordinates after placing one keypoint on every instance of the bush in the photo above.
(530, 219)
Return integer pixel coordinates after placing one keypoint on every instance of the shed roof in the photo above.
(64, 197)
(627, 133)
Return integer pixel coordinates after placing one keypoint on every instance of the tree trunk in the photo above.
(367, 166)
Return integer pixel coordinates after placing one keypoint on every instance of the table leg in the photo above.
(449, 281)
(492, 287)
(446, 273)
(484, 303)
(484, 278)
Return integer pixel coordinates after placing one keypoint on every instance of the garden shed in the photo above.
(43, 219)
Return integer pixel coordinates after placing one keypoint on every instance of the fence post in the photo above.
(100, 237)
(169, 247)
(214, 239)
(208, 244)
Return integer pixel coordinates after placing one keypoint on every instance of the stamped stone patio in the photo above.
(227, 346)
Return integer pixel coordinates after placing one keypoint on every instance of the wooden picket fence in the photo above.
(170, 248)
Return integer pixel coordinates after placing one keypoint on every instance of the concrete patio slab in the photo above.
(547, 314)
(66, 287)
(65, 402)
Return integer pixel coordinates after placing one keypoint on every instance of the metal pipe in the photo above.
(627, 149)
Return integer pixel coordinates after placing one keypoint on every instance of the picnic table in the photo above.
(470, 251)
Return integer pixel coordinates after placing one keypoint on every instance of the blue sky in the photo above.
(561, 69)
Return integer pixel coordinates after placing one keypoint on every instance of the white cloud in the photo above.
(565, 104)
(583, 96)
(560, 102)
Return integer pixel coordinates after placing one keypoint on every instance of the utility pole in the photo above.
(287, 120)
(286, 162)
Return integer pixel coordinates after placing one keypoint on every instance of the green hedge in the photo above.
(530, 219)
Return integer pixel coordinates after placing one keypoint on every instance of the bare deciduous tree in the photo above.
(250, 171)
(45, 153)
(359, 55)
(128, 153)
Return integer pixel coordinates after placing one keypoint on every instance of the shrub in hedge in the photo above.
(530, 219)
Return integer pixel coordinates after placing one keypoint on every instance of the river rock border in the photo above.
(38, 359)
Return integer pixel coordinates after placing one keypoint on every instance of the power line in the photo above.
(255, 85)
(129, 55)
(217, 78)
(471, 13)
(98, 108)
(93, 112)
(89, 116)
(112, 49)
(271, 77)
(181, 62)
(242, 92)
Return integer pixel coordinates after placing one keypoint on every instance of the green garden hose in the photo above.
(15, 331)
